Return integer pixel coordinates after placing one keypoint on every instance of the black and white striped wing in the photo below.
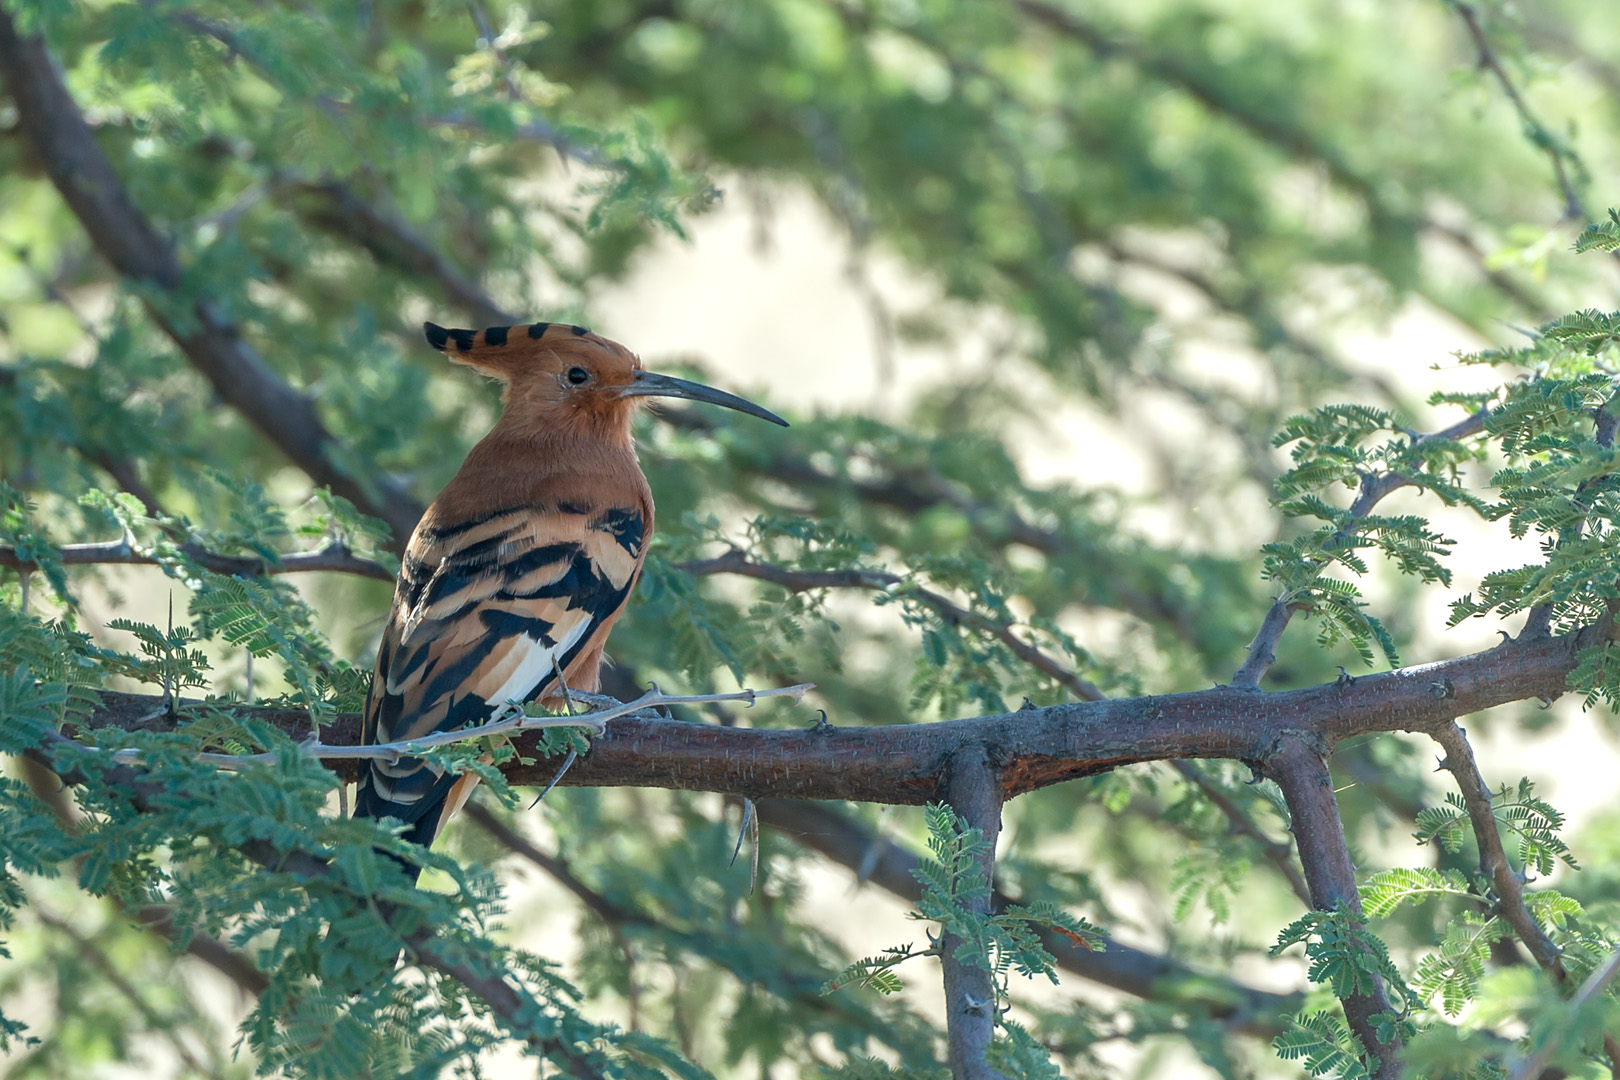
(486, 612)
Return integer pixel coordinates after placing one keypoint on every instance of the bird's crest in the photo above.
(509, 351)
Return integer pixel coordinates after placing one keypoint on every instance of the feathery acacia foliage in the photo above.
(220, 224)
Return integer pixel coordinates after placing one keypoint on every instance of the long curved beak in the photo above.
(652, 384)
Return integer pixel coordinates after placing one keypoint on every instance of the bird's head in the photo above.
(559, 376)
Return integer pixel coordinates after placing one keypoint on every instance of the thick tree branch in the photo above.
(48, 116)
(736, 562)
(974, 791)
(1301, 770)
(1493, 860)
(1032, 748)
(331, 557)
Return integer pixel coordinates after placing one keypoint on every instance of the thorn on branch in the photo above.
(562, 770)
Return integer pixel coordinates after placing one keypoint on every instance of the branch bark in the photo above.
(1032, 748)
(126, 238)
(973, 790)
(1301, 770)
(1493, 860)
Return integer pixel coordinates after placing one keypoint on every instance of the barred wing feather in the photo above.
(487, 611)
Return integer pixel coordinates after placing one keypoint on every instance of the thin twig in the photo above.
(1533, 1066)
(510, 721)
(737, 562)
(1279, 854)
(330, 557)
(1539, 135)
(1263, 649)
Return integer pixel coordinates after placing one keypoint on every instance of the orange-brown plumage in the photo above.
(524, 562)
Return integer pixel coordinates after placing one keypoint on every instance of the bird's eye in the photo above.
(577, 375)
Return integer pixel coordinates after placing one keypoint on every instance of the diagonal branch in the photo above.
(337, 208)
(1295, 141)
(157, 918)
(796, 986)
(736, 562)
(55, 127)
(1596, 983)
(1493, 859)
(1537, 132)
(513, 1007)
(1280, 855)
(1263, 649)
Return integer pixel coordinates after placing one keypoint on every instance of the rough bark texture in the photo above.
(1300, 768)
(1030, 749)
(974, 791)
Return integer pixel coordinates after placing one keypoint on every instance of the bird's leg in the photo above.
(562, 684)
(572, 756)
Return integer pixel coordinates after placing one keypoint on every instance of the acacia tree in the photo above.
(223, 222)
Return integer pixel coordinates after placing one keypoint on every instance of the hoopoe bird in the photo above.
(515, 575)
